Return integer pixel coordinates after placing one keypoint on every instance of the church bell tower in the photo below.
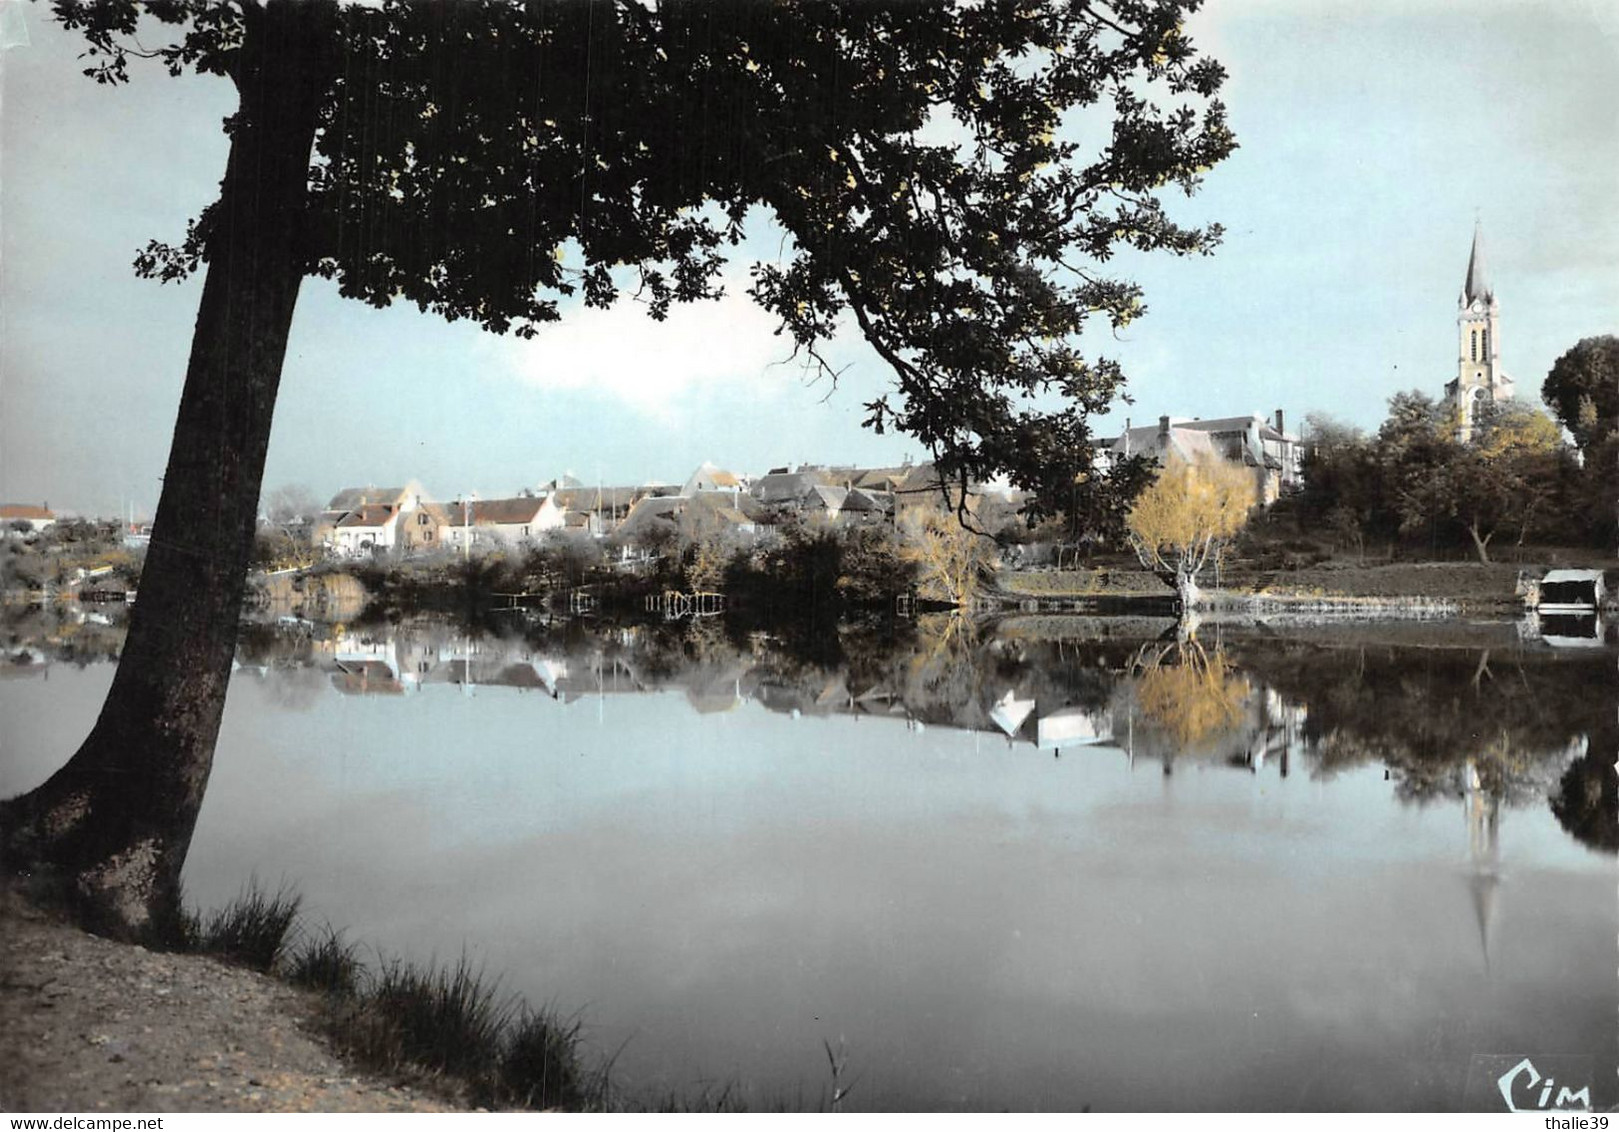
(1479, 376)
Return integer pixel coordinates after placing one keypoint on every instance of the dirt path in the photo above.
(87, 1025)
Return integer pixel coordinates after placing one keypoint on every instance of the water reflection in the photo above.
(1518, 714)
(954, 843)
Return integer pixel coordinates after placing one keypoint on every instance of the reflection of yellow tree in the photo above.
(942, 671)
(951, 560)
(1195, 698)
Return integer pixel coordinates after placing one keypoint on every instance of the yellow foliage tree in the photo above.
(951, 559)
(1185, 516)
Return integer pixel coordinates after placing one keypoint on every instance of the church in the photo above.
(1479, 376)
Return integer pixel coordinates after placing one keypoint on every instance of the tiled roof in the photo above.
(861, 499)
(351, 497)
(370, 515)
(1189, 444)
(739, 501)
(882, 479)
(23, 511)
(709, 477)
(444, 514)
(1221, 424)
(367, 677)
(830, 498)
(590, 498)
(489, 512)
(789, 487)
(651, 509)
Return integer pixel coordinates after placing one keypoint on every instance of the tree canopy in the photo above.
(1416, 479)
(951, 178)
(1583, 390)
(939, 170)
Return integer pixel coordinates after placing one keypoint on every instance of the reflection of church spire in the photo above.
(1483, 811)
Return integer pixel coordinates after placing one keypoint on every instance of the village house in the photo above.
(367, 520)
(597, 510)
(655, 521)
(422, 530)
(500, 522)
(1274, 456)
(708, 477)
(17, 516)
(370, 529)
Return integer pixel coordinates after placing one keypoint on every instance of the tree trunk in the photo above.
(1187, 589)
(1482, 545)
(111, 828)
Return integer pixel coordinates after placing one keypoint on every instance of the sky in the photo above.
(1372, 133)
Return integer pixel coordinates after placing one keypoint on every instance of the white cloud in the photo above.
(621, 352)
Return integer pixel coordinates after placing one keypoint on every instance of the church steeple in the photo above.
(1477, 283)
(1479, 376)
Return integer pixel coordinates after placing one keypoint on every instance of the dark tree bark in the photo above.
(111, 828)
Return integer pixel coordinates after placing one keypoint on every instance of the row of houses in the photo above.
(372, 521)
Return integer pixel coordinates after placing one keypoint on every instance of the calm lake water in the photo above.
(1049, 864)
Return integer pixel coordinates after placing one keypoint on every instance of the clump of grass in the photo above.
(327, 963)
(253, 929)
(540, 1064)
(446, 1020)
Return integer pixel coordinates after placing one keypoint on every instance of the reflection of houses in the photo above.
(405, 658)
(24, 661)
(1027, 704)
(1274, 455)
(1072, 727)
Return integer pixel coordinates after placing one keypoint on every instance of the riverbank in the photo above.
(1448, 587)
(93, 1025)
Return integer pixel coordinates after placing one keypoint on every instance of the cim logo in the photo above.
(1522, 1084)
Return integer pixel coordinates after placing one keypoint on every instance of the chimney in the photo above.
(1279, 421)
(1126, 436)
(1163, 427)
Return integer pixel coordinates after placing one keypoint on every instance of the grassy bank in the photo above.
(445, 1027)
(1462, 586)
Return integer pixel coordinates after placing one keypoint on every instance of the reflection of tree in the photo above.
(1426, 713)
(942, 670)
(1586, 800)
(1196, 699)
